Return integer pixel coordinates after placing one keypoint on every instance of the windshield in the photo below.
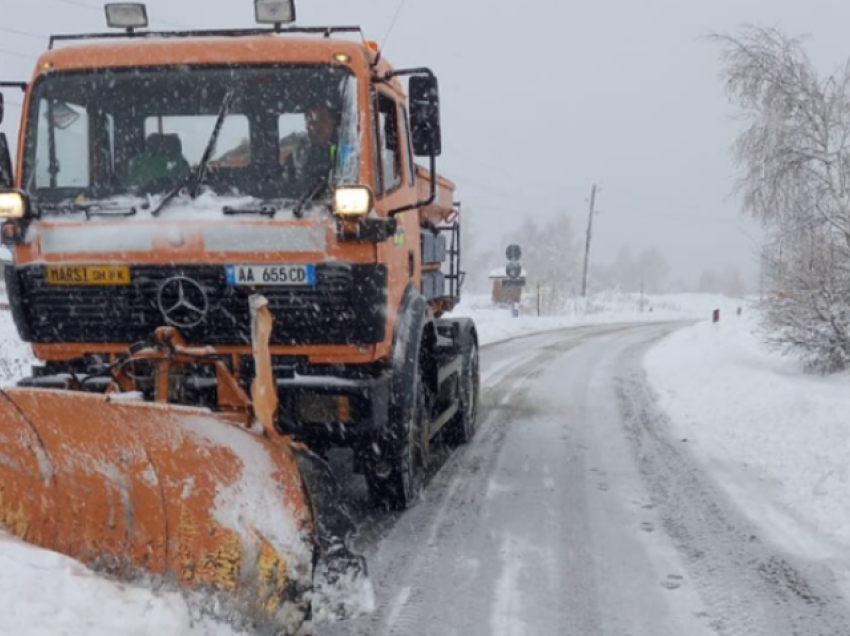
(289, 132)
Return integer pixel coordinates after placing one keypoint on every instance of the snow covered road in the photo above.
(575, 511)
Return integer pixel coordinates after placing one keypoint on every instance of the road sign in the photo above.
(514, 270)
(514, 253)
(513, 283)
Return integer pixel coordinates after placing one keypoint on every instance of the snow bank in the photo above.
(15, 356)
(777, 440)
(46, 594)
(496, 324)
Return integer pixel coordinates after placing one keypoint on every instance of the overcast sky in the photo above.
(544, 98)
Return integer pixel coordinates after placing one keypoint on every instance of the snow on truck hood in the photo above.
(179, 223)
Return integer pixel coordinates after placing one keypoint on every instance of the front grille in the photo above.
(346, 306)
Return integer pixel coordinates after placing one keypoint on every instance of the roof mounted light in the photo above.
(127, 15)
(275, 12)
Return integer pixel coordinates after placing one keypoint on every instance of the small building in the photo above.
(506, 290)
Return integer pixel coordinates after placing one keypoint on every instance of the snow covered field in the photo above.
(15, 356)
(496, 324)
(777, 440)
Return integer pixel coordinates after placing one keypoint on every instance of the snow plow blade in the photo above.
(136, 489)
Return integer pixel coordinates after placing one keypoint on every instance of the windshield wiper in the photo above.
(309, 197)
(195, 180)
(263, 210)
(89, 209)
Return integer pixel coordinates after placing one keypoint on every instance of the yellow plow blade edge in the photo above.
(132, 488)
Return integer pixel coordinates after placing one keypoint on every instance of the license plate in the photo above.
(271, 275)
(89, 275)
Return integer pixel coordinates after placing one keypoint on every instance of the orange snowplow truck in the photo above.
(163, 179)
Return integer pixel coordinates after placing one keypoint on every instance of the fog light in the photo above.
(324, 409)
(10, 233)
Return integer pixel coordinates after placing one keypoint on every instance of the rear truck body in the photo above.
(360, 270)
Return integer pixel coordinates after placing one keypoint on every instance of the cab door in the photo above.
(7, 176)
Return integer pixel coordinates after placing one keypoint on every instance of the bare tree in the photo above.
(551, 250)
(732, 283)
(794, 156)
(709, 282)
(652, 270)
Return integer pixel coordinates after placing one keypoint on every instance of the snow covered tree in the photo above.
(551, 251)
(732, 284)
(794, 156)
(624, 271)
(478, 256)
(652, 271)
(709, 282)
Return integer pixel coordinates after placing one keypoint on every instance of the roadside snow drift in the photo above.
(15, 356)
(496, 324)
(46, 594)
(776, 439)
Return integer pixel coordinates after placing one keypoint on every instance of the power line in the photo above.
(398, 11)
(83, 5)
(26, 34)
(20, 55)
(99, 9)
(484, 164)
(495, 190)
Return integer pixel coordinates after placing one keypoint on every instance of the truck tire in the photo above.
(461, 429)
(395, 470)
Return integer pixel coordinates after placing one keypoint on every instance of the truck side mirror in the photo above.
(2, 108)
(425, 116)
(7, 180)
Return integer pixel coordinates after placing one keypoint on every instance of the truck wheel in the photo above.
(462, 427)
(395, 473)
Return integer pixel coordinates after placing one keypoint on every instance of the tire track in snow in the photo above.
(407, 550)
(749, 586)
(463, 477)
(506, 619)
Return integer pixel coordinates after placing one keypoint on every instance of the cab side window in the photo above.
(390, 149)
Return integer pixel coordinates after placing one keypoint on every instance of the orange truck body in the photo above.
(260, 50)
(364, 358)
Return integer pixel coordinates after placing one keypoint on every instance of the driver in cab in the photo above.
(313, 167)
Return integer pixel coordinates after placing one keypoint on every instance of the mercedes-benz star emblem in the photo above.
(183, 302)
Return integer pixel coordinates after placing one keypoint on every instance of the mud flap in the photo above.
(341, 586)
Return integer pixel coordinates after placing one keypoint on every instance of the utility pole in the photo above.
(589, 237)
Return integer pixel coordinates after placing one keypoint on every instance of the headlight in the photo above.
(352, 201)
(12, 205)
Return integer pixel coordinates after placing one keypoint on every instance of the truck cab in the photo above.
(164, 178)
